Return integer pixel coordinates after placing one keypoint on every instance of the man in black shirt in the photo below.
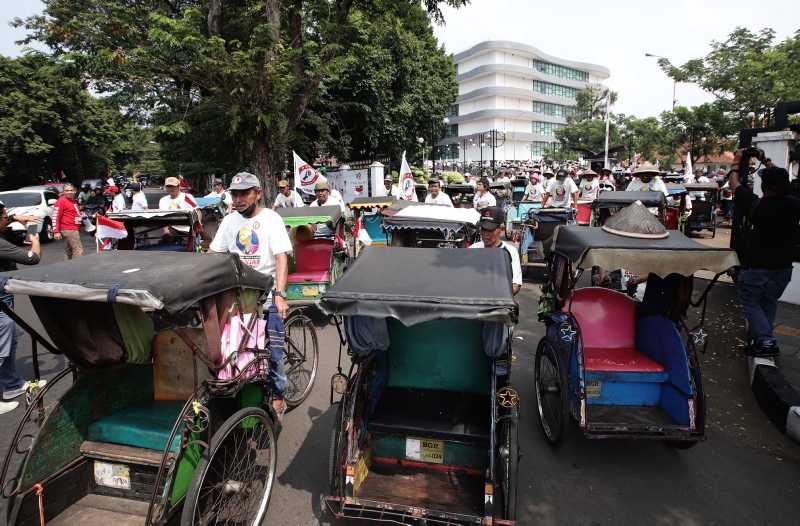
(11, 385)
(765, 251)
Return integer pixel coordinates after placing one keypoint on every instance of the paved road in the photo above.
(745, 473)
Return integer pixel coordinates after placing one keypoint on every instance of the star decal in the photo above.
(567, 333)
(508, 397)
(699, 336)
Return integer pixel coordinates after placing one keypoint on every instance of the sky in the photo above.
(616, 37)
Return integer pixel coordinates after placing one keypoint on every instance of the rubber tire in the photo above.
(333, 448)
(187, 513)
(47, 230)
(553, 434)
(510, 501)
(296, 402)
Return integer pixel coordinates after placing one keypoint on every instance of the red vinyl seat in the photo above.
(312, 261)
(315, 276)
(607, 320)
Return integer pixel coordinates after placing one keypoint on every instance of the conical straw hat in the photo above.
(635, 220)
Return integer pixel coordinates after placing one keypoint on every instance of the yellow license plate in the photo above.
(594, 389)
(310, 291)
(425, 450)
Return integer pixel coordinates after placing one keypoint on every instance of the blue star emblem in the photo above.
(567, 333)
(699, 336)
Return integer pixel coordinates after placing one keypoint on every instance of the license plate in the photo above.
(112, 475)
(425, 450)
(310, 291)
(594, 389)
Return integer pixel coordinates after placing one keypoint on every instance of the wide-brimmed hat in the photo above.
(588, 172)
(646, 168)
(635, 220)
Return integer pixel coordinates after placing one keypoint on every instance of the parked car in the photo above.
(92, 183)
(37, 201)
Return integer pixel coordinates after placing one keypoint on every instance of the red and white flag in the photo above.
(408, 189)
(110, 229)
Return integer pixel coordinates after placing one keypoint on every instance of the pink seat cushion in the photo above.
(619, 360)
(607, 318)
(316, 276)
(314, 255)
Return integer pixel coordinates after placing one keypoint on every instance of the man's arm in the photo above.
(545, 198)
(23, 256)
(575, 196)
(281, 278)
(57, 211)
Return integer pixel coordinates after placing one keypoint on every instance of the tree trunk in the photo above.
(264, 171)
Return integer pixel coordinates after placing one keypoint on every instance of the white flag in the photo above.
(408, 189)
(688, 174)
(305, 176)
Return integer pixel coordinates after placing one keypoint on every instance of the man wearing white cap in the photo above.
(258, 236)
(646, 179)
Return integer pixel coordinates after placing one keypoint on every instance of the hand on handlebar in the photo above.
(282, 305)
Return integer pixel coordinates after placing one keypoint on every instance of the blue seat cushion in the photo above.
(146, 426)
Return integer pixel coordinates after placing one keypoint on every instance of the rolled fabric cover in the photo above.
(366, 334)
(494, 336)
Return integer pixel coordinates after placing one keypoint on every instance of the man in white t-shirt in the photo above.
(646, 179)
(175, 199)
(287, 198)
(491, 224)
(258, 236)
(436, 196)
(139, 200)
(468, 179)
(392, 190)
(483, 197)
(118, 203)
(589, 185)
(218, 191)
(534, 189)
(325, 197)
(560, 191)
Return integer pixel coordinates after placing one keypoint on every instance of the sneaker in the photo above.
(7, 407)
(764, 350)
(13, 393)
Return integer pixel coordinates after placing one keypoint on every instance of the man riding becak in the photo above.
(258, 236)
(491, 224)
(561, 191)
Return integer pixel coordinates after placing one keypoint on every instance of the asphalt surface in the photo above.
(745, 473)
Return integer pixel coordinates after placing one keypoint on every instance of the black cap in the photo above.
(492, 218)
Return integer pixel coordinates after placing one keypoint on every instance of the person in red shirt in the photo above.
(67, 222)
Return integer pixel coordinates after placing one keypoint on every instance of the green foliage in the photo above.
(452, 177)
(748, 73)
(49, 123)
(587, 136)
(228, 84)
(591, 102)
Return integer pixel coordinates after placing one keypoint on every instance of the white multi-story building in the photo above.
(521, 93)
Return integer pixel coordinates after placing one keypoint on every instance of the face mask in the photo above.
(248, 212)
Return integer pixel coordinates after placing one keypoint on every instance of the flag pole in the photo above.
(608, 103)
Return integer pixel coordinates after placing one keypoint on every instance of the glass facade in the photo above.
(541, 148)
(546, 128)
(451, 130)
(556, 110)
(453, 111)
(556, 90)
(562, 72)
(448, 151)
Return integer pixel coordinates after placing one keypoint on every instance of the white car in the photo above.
(34, 201)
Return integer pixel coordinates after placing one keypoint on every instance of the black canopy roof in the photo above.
(615, 199)
(586, 247)
(170, 281)
(380, 201)
(702, 187)
(422, 284)
(334, 212)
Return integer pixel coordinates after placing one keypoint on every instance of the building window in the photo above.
(448, 151)
(453, 112)
(451, 130)
(541, 148)
(546, 128)
(556, 110)
(556, 90)
(562, 72)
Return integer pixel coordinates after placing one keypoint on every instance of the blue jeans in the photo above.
(9, 379)
(277, 344)
(759, 290)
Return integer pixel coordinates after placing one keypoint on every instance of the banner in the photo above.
(408, 189)
(688, 173)
(305, 176)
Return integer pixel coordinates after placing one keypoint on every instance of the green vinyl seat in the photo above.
(145, 426)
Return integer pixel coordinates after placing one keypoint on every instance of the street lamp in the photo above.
(674, 82)
(445, 121)
(421, 142)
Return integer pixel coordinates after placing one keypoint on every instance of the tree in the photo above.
(587, 137)
(748, 73)
(252, 66)
(591, 102)
(50, 123)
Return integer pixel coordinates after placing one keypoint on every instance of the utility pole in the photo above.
(674, 82)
